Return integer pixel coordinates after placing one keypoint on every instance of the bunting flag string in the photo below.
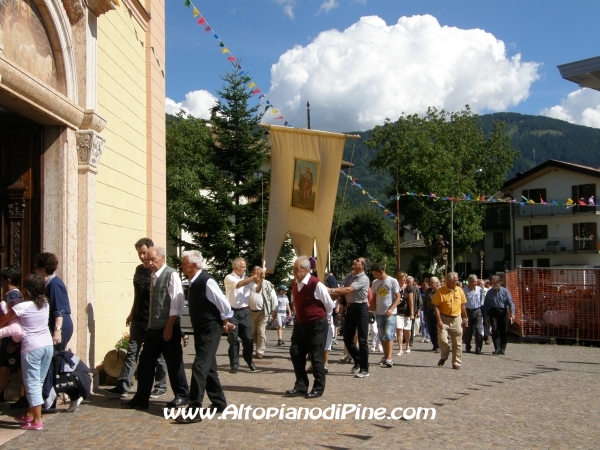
(466, 197)
(254, 89)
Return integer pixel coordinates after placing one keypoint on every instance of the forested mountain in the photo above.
(550, 138)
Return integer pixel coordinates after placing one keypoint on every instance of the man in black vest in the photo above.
(209, 313)
(163, 334)
(312, 304)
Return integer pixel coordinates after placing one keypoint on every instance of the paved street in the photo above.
(537, 396)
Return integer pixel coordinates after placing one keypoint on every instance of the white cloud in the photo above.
(328, 5)
(356, 78)
(581, 107)
(196, 103)
(288, 7)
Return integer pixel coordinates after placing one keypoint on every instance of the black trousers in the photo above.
(204, 370)
(243, 330)
(432, 327)
(357, 319)
(475, 324)
(309, 338)
(499, 323)
(152, 347)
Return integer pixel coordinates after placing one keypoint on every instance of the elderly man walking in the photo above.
(209, 313)
(449, 302)
(163, 334)
(474, 295)
(312, 305)
(262, 304)
(356, 290)
(497, 306)
(237, 290)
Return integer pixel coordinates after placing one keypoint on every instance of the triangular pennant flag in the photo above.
(524, 198)
(196, 12)
(239, 66)
(364, 192)
(225, 50)
(478, 198)
(591, 201)
(531, 202)
(468, 197)
(262, 96)
(582, 202)
(542, 201)
(252, 84)
(242, 72)
(256, 91)
(554, 203)
(268, 102)
(207, 29)
(231, 58)
(221, 44)
(569, 201)
(215, 36)
(274, 111)
(246, 79)
(267, 107)
(187, 3)
(483, 197)
(279, 118)
(201, 21)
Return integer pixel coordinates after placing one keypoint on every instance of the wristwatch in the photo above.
(57, 328)
(333, 290)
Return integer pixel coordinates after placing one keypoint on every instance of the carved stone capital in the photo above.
(89, 149)
(99, 7)
(16, 210)
(74, 9)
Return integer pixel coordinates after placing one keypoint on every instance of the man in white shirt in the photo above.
(237, 290)
(163, 334)
(312, 304)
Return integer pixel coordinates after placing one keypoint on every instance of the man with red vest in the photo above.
(312, 304)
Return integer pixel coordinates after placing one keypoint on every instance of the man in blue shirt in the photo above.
(498, 303)
(474, 303)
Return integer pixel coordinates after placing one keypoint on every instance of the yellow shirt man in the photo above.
(449, 301)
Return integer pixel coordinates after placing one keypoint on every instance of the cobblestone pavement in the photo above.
(537, 396)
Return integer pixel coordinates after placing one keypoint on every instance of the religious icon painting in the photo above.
(304, 189)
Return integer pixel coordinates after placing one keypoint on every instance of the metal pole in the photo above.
(398, 228)
(308, 113)
(451, 235)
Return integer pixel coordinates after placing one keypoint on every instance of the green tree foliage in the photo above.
(361, 231)
(229, 222)
(448, 154)
(188, 142)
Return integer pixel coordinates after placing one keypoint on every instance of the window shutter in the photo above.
(526, 233)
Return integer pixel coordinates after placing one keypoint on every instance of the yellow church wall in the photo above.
(128, 198)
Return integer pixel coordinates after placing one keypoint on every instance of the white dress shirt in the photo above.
(238, 297)
(320, 293)
(175, 290)
(215, 296)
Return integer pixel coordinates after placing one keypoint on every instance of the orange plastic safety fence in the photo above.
(559, 303)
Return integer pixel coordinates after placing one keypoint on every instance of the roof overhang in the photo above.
(586, 73)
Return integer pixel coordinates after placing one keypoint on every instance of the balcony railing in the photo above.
(559, 244)
(531, 210)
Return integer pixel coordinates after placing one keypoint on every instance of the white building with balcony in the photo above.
(555, 235)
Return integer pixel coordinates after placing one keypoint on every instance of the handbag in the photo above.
(62, 381)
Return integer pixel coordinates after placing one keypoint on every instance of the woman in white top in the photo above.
(36, 349)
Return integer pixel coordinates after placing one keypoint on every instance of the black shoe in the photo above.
(282, 343)
(495, 353)
(313, 394)
(177, 402)
(114, 392)
(188, 420)
(252, 367)
(501, 352)
(468, 350)
(21, 403)
(486, 342)
(478, 352)
(131, 404)
(279, 342)
(295, 393)
(234, 370)
(212, 407)
(441, 362)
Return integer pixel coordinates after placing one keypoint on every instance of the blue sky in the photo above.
(379, 68)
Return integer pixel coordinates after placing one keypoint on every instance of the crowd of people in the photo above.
(392, 309)
(35, 327)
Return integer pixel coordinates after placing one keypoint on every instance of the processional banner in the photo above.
(305, 167)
